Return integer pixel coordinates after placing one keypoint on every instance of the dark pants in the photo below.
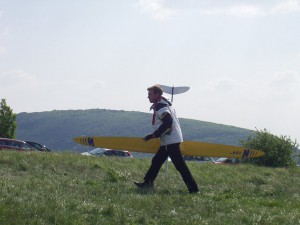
(160, 157)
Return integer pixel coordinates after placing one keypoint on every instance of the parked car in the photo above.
(108, 152)
(198, 159)
(38, 146)
(119, 153)
(96, 152)
(12, 144)
(226, 161)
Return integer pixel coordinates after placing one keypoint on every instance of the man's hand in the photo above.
(148, 137)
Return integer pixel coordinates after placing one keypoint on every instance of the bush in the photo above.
(279, 151)
(7, 121)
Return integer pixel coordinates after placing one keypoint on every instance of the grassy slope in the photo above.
(67, 188)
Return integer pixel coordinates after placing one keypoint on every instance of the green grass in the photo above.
(67, 188)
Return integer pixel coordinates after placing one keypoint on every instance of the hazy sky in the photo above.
(240, 58)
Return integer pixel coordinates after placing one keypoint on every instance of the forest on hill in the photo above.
(56, 128)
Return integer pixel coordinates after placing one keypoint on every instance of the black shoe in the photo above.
(193, 191)
(145, 184)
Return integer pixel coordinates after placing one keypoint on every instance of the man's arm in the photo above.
(164, 128)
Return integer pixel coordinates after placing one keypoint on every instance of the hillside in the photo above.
(67, 188)
(57, 128)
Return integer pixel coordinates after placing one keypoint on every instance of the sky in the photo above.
(241, 59)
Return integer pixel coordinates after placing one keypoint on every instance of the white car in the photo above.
(96, 151)
(227, 161)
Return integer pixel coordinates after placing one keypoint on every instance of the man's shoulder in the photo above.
(160, 106)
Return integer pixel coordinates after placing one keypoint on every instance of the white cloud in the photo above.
(286, 6)
(157, 9)
(298, 57)
(286, 81)
(75, 85)
(253, 102)
(234, 10)
(244, 10)
(4, 32)
(99, 84)
(16, 78)
(160, 9)
(282, 88)
(223, 84)
(2, 50)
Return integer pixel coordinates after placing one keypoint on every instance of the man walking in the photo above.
(167, 128)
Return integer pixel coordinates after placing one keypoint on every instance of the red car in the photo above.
(12, 144)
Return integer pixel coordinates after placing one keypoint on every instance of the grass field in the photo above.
(67, 188)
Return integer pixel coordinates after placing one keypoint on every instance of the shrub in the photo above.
(279, 151)
(7, 121)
